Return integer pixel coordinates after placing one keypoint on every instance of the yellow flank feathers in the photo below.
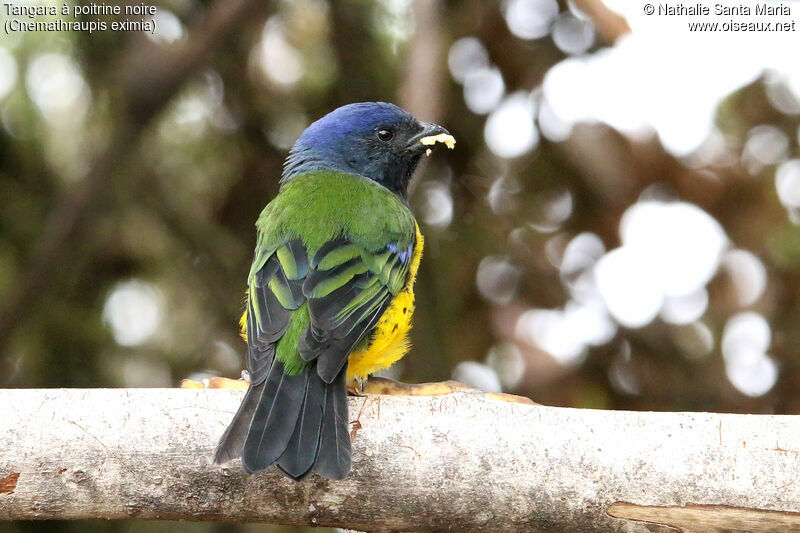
(243, 323)
(389, 340)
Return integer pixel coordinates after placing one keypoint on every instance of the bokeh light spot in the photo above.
(627, 287)
(745, 340)
(766, 145)
(670, 251)
(695, 340)
(748, 274)
(684, 244)
(508, 363)
(686, 308)
(277, 59)
(497, 279)
(787, 183)
(573, 35)
(530, 19)
(753, 376)
(437, 204)
(466, 57)
(483, 89)
(510, 130)
(54, 83)
(133, 311)
(169, 28)
(477, 375)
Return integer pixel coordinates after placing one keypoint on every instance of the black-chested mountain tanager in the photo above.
(331, 289)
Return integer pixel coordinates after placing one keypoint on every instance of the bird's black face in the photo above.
(390, 152)
(375, 140)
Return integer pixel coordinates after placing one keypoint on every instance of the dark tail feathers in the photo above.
(298, 422)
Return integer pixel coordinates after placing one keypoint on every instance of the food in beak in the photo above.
(430, 140)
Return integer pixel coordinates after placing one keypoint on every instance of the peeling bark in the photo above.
(9, 483)
(463, 461)
(708, 518)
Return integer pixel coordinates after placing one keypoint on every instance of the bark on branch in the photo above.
(463, 462)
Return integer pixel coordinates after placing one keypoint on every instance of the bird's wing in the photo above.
(348, 289)
(275, 290)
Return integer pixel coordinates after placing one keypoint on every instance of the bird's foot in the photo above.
(356, 386)
(378, 385)
(218, 382)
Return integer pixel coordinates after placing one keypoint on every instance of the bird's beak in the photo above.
(429, 136)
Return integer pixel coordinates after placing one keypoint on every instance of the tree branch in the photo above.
(465, 461)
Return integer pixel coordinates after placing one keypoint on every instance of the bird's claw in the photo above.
(378, 385)
(216, 382)
(356, 386)
(391, 387)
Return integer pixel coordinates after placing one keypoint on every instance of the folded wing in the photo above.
(295, 412)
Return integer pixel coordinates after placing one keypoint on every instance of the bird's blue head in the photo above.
(375, 140)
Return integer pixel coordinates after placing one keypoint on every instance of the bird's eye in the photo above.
(385, 135)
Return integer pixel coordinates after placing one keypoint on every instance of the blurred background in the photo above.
(617, 228)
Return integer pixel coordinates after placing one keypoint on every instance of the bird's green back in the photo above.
(317, 207)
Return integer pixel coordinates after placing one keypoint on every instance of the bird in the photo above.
(330, 292)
